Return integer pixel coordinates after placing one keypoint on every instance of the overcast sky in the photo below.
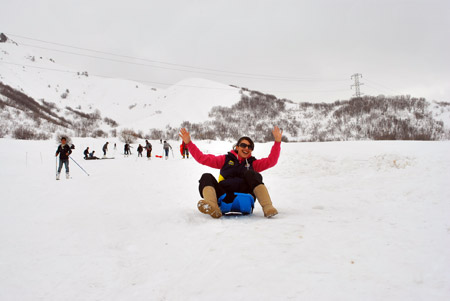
(300, 50)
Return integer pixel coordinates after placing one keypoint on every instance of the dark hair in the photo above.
(246, 138)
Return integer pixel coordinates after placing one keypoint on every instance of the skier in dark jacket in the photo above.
(239, 172)
(64, 152)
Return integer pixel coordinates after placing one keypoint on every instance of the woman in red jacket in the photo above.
(239, 172)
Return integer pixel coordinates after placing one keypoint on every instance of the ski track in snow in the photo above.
(357, 221)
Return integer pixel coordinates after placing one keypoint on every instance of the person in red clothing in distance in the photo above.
(239, 172)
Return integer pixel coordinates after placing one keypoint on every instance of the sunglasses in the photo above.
(244, 145)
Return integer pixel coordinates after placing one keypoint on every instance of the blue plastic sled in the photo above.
(243, 203)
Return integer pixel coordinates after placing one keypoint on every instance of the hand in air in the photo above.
(277, 134)
(185, 136)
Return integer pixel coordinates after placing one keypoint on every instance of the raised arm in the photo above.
(272, 159)
(208, 160)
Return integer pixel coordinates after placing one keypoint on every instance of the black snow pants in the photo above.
(250, 180)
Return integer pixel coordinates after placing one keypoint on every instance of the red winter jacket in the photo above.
(213, 161)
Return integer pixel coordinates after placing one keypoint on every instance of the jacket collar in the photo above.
(240, 159)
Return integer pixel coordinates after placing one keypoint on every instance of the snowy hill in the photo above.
(79, 104)
(130, 104)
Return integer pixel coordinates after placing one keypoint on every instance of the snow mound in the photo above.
(386, 162)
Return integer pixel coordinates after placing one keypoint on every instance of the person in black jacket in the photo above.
(140, 149)
(63, 151)
(86, 153)
(105, 149)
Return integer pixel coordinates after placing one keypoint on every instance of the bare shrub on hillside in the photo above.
(110, 122)
(155, 134)
(24, 133)
(3, 130)
(99, 134)
(128, 136)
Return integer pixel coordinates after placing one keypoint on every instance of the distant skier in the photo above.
(64, 152)
(239, 173)
(105, 149)
(166, 147)
(148, 147)
(86, 153)
(184, 150)
(140, 149)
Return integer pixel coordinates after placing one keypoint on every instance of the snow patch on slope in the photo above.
(188, 100)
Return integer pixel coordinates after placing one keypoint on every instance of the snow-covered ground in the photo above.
(357, 221)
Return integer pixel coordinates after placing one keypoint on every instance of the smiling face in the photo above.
(244, 149)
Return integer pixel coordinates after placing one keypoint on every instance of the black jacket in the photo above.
(232, 172)
(63, 151)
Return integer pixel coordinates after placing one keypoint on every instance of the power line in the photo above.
(165, 84)
(228, 73)
(154, 66)
(383, 86)
(110, 77)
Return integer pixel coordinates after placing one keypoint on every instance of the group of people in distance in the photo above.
(140, 149)
(91, 155)
(88, 155)
(239, 181)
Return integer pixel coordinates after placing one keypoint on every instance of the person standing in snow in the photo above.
(184, 150)
(140, 149)
(166, 147)
(86, 153)
(105, 149)
(239, 172)
(148, 147)
(64, 152)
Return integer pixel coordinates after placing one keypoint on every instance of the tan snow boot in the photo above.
(263, 197)
(209, 203)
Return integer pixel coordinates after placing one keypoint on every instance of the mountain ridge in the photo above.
(37, 94)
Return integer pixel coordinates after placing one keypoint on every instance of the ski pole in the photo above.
(79, 165)
(172, 154)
